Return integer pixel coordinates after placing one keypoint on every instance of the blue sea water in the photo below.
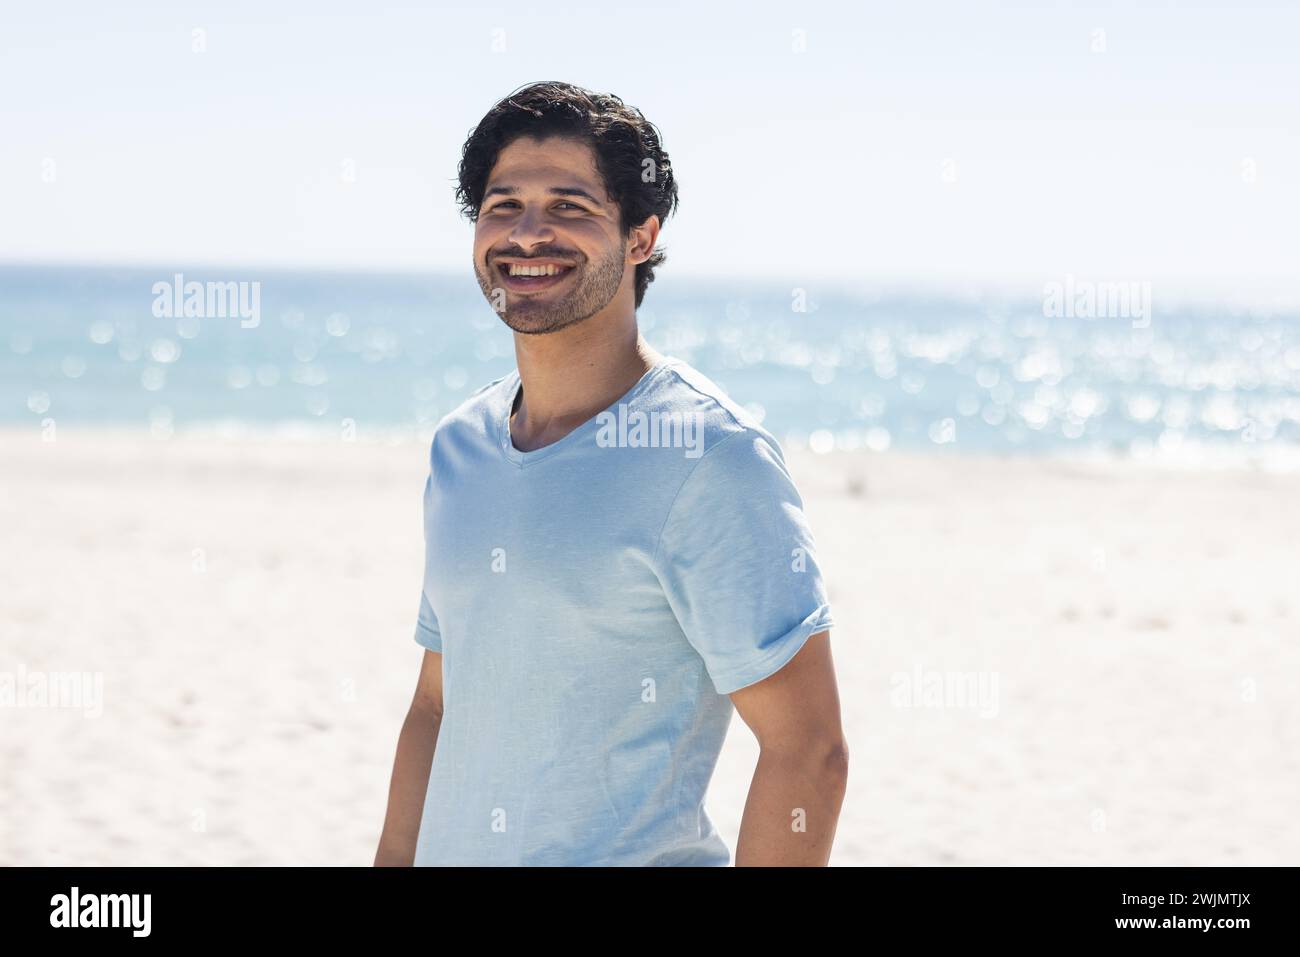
(840, 369)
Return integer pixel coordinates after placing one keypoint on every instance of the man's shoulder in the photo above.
(684, 390)
(473, 416)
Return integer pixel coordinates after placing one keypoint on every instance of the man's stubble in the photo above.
(535, 315)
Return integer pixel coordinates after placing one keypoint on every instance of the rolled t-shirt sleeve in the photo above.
(427, 632)
(737, 561)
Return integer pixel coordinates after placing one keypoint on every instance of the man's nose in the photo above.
(530, 229)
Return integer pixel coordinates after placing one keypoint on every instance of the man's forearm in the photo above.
(793, 807)
(407, 789)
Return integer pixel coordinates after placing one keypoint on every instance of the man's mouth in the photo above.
(530, 277)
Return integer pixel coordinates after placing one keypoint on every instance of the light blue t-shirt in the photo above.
(594, 602)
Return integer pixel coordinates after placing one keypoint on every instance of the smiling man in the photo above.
(616, 558)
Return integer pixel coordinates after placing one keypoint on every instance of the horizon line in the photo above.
(1204, 294)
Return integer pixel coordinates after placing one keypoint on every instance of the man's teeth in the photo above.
(550, 270)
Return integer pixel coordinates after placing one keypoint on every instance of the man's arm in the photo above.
(799, 784)
(410, 781)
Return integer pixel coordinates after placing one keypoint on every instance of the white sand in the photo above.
(1143, 628)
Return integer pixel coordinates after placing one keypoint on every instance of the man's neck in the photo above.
(569, 376)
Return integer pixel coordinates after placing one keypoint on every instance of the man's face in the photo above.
(545, 206)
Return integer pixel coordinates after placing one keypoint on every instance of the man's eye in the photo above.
(511, 202)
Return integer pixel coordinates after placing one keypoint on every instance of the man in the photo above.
(616, 557)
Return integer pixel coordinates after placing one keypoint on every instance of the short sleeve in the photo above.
(427, 632)
(737, 561)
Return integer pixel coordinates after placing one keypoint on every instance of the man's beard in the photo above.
(594, 288)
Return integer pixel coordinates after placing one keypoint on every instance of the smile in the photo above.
(527, 277)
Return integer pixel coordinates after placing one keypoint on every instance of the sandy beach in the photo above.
(1131, 633)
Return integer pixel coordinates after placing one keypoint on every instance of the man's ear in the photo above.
(642, 239)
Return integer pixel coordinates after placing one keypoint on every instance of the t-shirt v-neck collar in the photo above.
(511, 393)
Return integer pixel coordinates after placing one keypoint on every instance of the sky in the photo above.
(871, 144)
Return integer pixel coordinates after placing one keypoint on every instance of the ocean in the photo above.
(828, 368)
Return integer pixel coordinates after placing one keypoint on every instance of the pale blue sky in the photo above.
(1133, 163)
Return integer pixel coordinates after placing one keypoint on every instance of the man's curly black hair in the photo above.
(629, 156)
